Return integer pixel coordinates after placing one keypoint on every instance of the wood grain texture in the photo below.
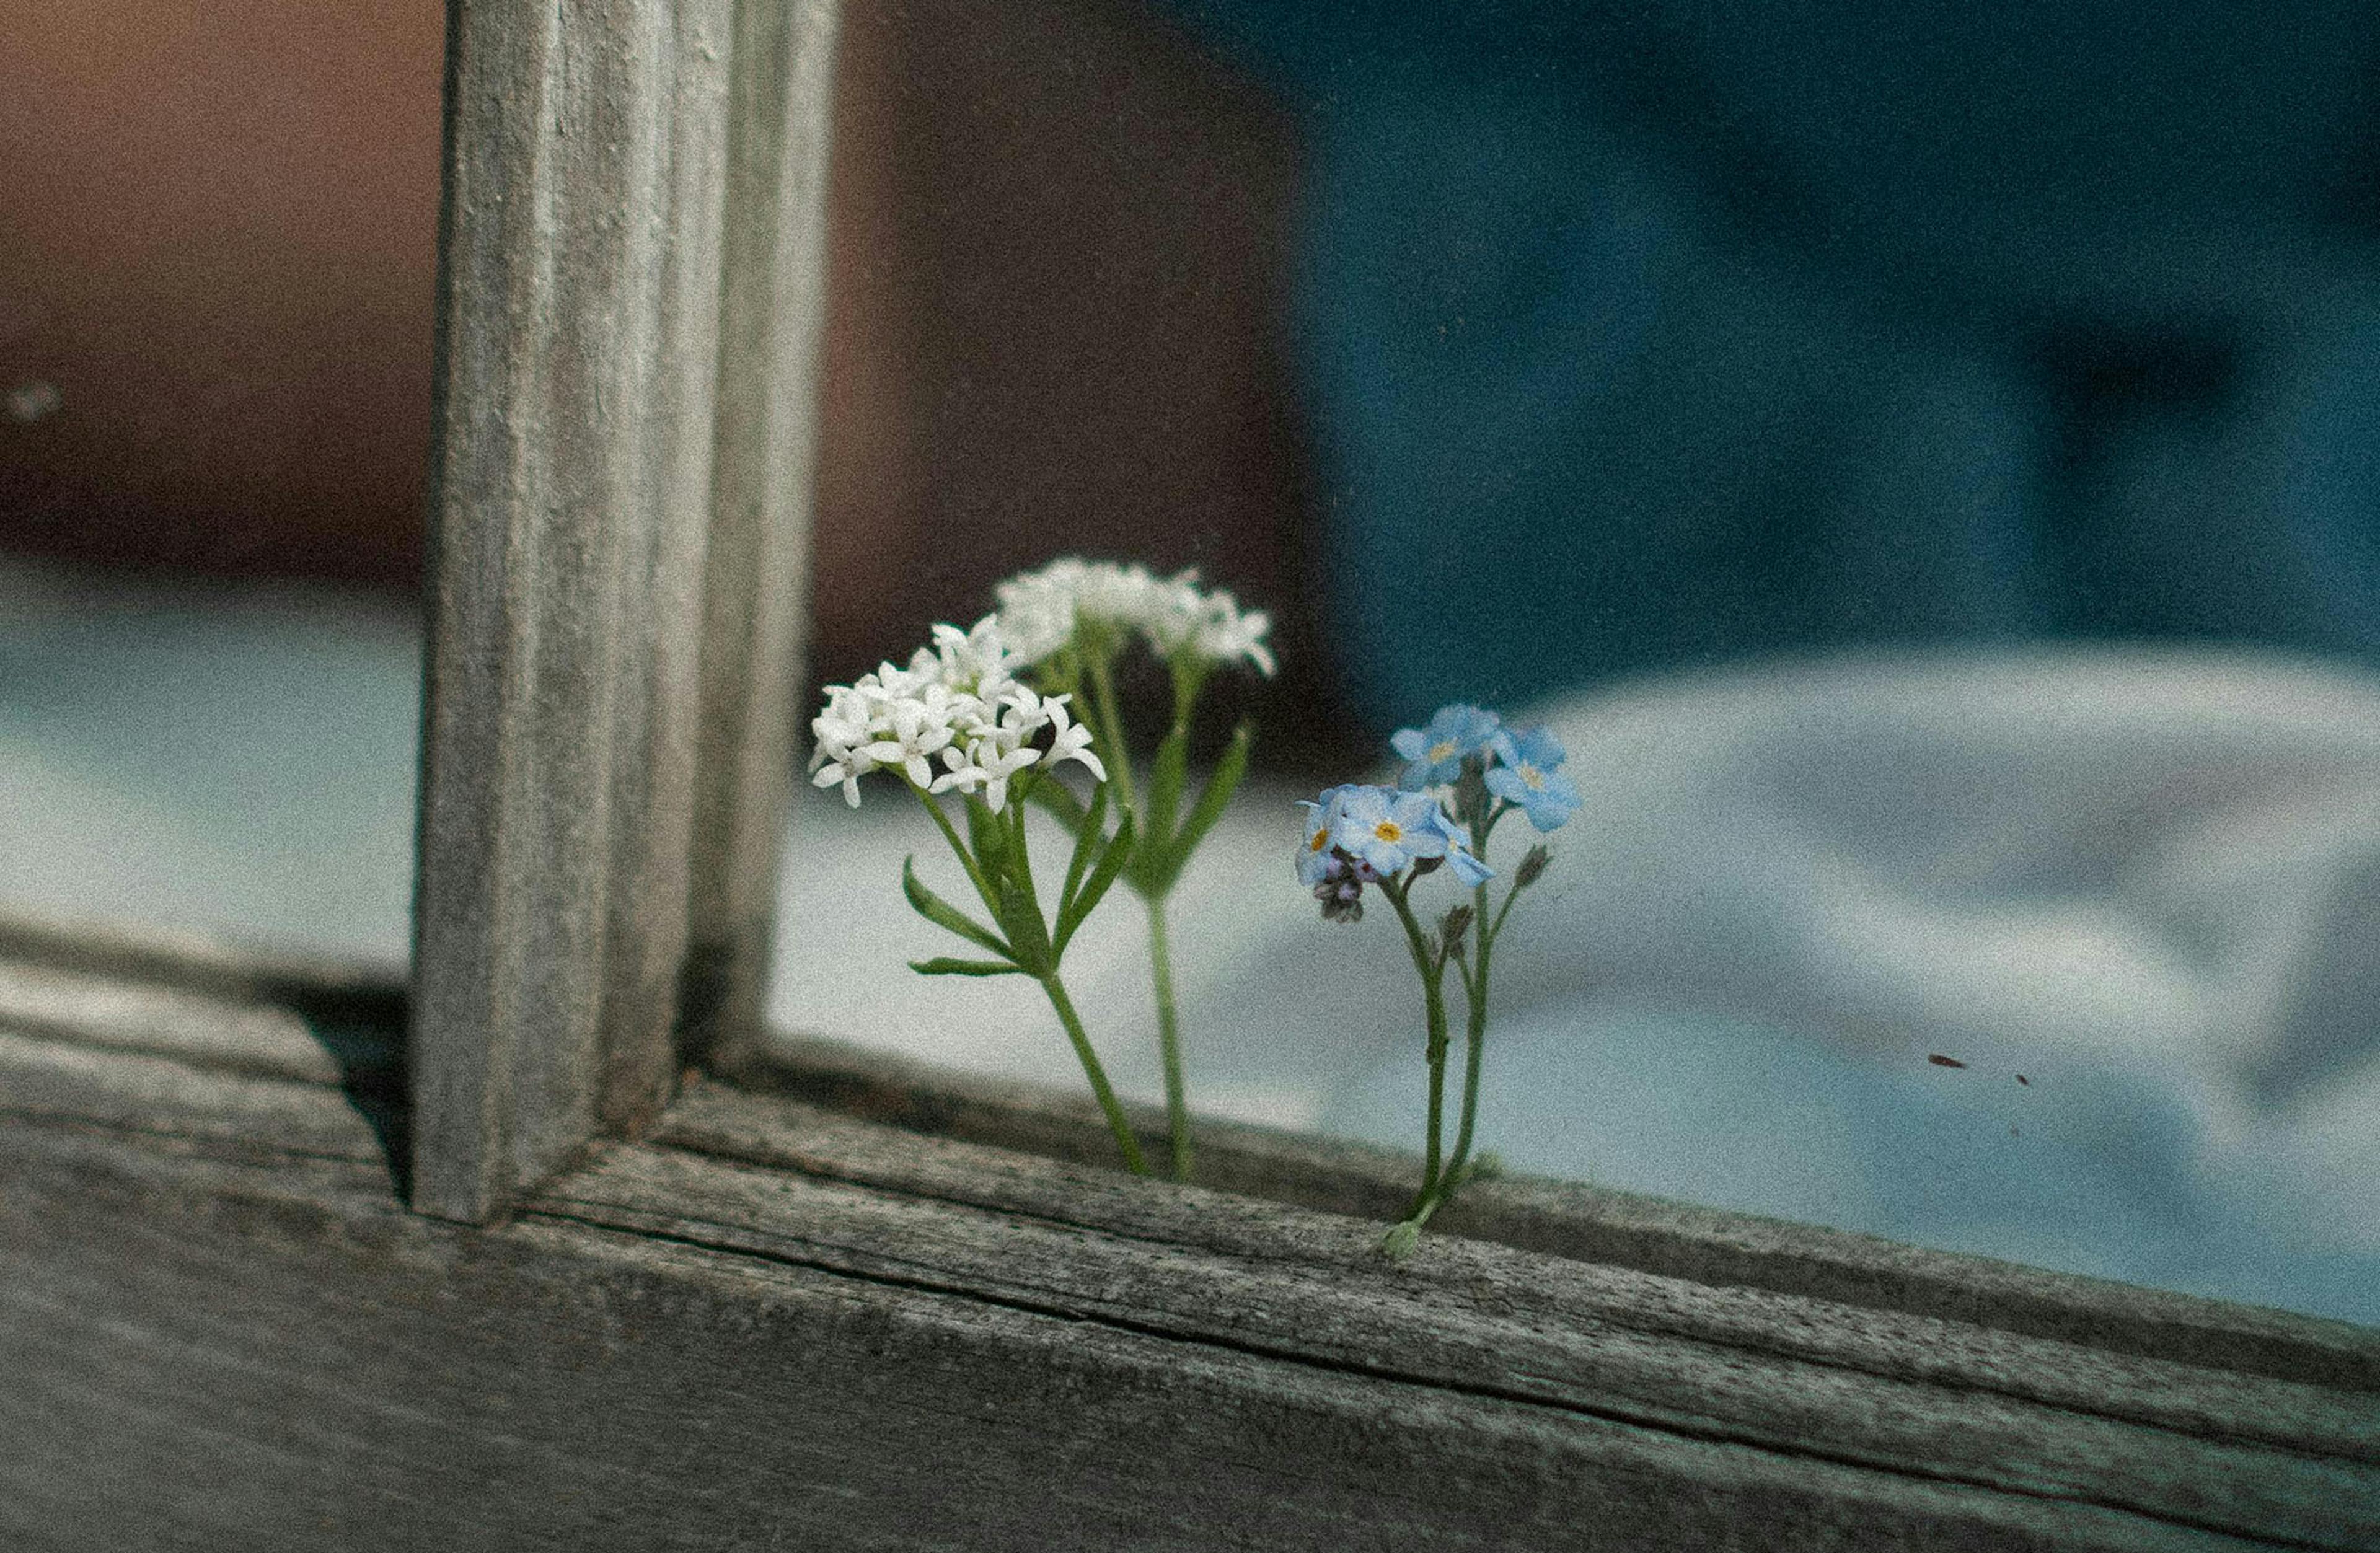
(757, 590)
(771, 1324)
(1708, 1247)
(579, 329)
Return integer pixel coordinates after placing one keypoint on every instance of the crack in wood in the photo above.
(623, 1221)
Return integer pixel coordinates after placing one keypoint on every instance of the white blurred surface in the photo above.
(236, 761)
(2148, 881)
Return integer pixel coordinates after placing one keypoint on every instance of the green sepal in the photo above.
(941, 913)
(944, 966)
(1117, 852)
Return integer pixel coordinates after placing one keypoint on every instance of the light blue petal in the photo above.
(1538, 748)
(1468, 868)
(1473, 727)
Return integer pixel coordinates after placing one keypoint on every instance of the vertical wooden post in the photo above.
(578, 331)
(772, 309)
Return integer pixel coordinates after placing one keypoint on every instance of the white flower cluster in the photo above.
(1038, 611)
(958, 700)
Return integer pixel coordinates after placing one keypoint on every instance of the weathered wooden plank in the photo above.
(1485, 1322)
(212, 1351)
(771, 312)
(1566, 1293)
(58, 1083)
(578, 325)
(775, 1321)
(243, 1034)
(1704, 1246)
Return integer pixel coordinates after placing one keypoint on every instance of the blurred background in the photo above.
(1760, 326)
(1871, 433)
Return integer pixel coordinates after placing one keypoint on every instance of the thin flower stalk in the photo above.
(1073, 619)
(1463, 774)
(959, 704)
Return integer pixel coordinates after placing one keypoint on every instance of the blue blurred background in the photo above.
(1634, 334)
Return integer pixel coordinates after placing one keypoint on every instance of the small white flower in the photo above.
(1072, 740)
(1037, 609)
(1123, 596)
(976, 661)
(1171, 613)
(1227, 633)
(842, 724)
(1040, 611)
(917, 726)
(988, 765)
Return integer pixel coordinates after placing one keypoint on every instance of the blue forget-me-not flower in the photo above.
(1387, 831)
(1315, 859)
(1461, 860)
(1434, 754)
(1527, 773)
(1358, 835)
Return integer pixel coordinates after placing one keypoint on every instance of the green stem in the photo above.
(1168, 1038)
(1111, 733)
(1129, 1145)
(966, 860)
(1474, 1032)
(1433, 976)
(1506, 910)
(1408, 1229)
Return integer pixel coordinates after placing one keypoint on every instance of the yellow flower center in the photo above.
(1443, 750)
(1321, 838)
(1389, 830)
(1532, 778)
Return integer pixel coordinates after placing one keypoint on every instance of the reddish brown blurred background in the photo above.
(1058, 242)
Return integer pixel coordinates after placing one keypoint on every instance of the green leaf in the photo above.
(1152, 859)
(1020, 861)
(941, 913)
(942, 967)
(1028, 937)
(1054, 795)
(987, 837)
(1117, 852)
(1212, 800)
(1087, 841)
(1165, 780)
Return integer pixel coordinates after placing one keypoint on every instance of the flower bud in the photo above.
(1531, 869)
(1341, 899)
(1451, 931)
